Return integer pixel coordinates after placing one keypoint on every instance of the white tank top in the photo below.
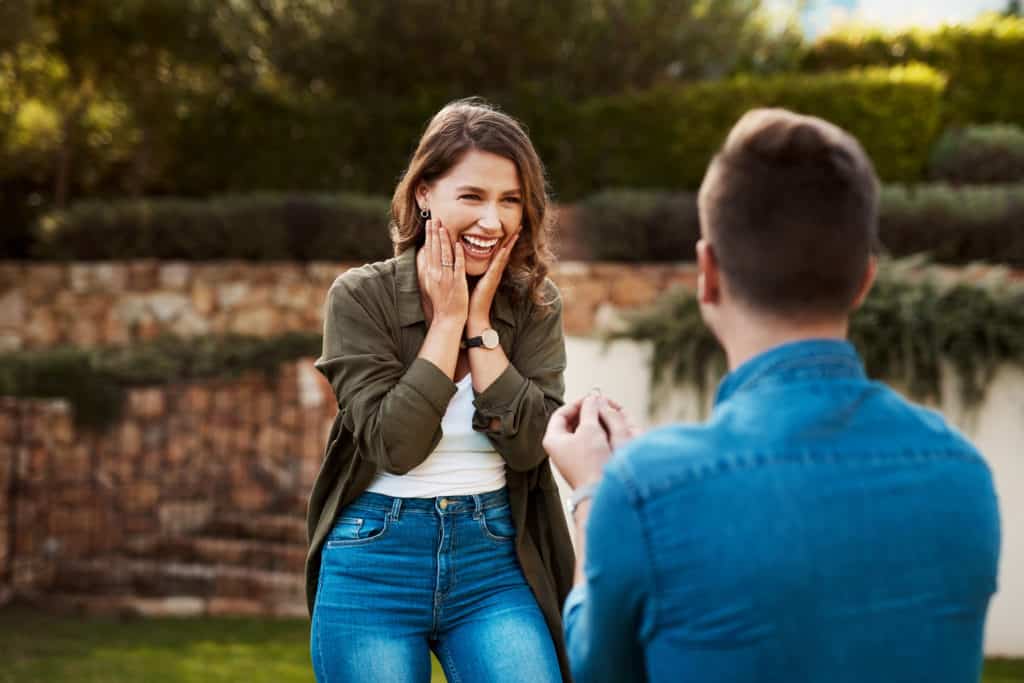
(463, 463)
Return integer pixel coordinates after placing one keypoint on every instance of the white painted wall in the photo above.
(997, 427)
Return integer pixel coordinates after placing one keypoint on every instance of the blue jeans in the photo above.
(402, 576)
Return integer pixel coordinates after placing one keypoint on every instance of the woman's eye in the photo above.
(512, 200)
(469, 196)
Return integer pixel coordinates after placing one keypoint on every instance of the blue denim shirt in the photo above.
(818, 527)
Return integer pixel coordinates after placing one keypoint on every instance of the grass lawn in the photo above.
(37, 648)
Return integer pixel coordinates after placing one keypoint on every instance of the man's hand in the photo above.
(582, 435)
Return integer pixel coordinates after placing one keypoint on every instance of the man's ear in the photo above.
(865, 286)
(707, 273)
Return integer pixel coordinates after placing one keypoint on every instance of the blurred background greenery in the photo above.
(112, 111)
(270, 130)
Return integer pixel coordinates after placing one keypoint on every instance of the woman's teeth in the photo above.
(478, 246)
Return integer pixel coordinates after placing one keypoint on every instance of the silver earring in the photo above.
(424, 214)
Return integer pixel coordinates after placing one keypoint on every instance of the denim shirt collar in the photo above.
(825, 357)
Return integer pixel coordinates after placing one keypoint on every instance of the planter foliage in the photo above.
(915, 320)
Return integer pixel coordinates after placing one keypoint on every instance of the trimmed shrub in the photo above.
(979, 154)
(954, 225)
(258, 227)
(911, 323)
(665, 137)
(632, 225)
(983, 60)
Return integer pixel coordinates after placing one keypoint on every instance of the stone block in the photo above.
(174, 275)
(184, 517)
(147, 403)
(258, 322)
(12, 309)
(143, 275)
(167, 306)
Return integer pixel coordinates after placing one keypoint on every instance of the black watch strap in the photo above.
(487, 340)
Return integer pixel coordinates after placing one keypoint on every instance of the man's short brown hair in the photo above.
(790, 207)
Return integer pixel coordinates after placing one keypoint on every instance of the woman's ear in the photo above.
(423, 196)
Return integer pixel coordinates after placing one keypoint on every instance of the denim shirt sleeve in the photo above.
(393, 412)
(608, 618)
(530, 389)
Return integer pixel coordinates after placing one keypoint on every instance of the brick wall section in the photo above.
(44, 305)
(182, 460)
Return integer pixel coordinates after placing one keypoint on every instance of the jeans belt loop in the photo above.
(396, 509)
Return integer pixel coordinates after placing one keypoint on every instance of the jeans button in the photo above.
(444, 503)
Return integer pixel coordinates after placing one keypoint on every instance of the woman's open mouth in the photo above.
(479, 247)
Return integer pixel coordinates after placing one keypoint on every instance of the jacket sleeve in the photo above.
(393, 413)
(609, 618)
(529, 390)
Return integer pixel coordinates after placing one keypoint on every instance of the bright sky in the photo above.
(895, 13)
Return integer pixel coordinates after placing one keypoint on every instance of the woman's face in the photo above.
(479, 202)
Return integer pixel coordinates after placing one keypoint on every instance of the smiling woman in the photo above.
(447, 361)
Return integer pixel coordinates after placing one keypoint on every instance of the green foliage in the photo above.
(913, 321)
(258, 227)
(979, 154)
(666, 136)
(575, 47)
(954, 225)
(634, 225)
(250, 95)
(94, 380)
(982, 60)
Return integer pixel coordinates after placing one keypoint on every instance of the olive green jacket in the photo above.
(390, 405)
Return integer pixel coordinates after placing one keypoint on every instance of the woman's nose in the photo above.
(489, 218)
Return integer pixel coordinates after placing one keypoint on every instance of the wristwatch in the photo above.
(487, 339)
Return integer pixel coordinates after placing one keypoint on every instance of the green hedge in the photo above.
(954, 225)
(665, 137)
(258, 227)
(991, 153)
(658, 138)
(95, 380)
(906, 329)
(637, 225)
(983, 61)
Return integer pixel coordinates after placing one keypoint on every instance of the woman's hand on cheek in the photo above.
(483, 294)
(444, 277)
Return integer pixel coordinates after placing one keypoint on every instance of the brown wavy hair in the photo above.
(459, 127)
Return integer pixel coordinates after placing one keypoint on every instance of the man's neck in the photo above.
(752, 337)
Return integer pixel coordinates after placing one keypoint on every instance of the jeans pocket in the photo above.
(497, 524)
(353, 530)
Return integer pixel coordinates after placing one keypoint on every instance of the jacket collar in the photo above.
(410, 308)
(821, 357)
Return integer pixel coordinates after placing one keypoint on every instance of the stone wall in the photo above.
(193, 502)
(45, 305)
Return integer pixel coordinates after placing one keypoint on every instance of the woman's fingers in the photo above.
(447, 258)
(460, 261)
(435, 245)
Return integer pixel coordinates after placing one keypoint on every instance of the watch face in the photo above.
(490, 339)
